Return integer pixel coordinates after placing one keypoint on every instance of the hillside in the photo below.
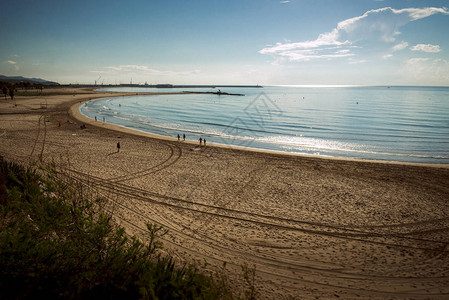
(18, 79)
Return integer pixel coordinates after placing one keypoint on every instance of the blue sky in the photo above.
(267, 42)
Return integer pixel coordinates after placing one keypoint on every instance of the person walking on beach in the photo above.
(95, 118)
(118, 147)
(201, 141)
(183, 136)
(178, 137)
(204, 142)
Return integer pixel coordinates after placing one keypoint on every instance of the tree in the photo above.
(5, 91)
(11, 93)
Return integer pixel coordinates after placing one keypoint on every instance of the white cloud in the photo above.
(325, 39)
(283, 2)
(355, 62)
(13, 63)
(387, 56)
(378, 25)
(400, 46)
(426, 48)
(414, 61)
(425, 71)
(420, 13)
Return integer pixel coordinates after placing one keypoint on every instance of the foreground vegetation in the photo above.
(55, 243)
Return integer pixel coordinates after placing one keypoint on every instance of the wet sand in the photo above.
(312, 227)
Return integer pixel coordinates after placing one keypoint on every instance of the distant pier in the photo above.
(213, 93)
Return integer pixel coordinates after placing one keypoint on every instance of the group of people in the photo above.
(202, 141)
(184, 138)
(96, 119)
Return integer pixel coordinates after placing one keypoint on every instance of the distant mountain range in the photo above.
(16, 79)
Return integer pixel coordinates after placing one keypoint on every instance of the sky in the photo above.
(265, 42)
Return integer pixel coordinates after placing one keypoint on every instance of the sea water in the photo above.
(407, 124)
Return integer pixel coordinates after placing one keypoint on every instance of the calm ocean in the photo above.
(407, 124)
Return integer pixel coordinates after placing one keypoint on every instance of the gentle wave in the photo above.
(359, 122)
(309, 143)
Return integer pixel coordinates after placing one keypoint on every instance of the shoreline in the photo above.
(76, 114)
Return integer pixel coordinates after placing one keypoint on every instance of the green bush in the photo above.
(55, 244)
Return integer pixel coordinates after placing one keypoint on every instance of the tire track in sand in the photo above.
(273, 266)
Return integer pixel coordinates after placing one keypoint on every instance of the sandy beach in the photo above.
(313, 228)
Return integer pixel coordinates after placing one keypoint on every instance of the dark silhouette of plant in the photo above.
(39, 87)
(11, 93)
(26, 85)
(56, 243)
(5, 91)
